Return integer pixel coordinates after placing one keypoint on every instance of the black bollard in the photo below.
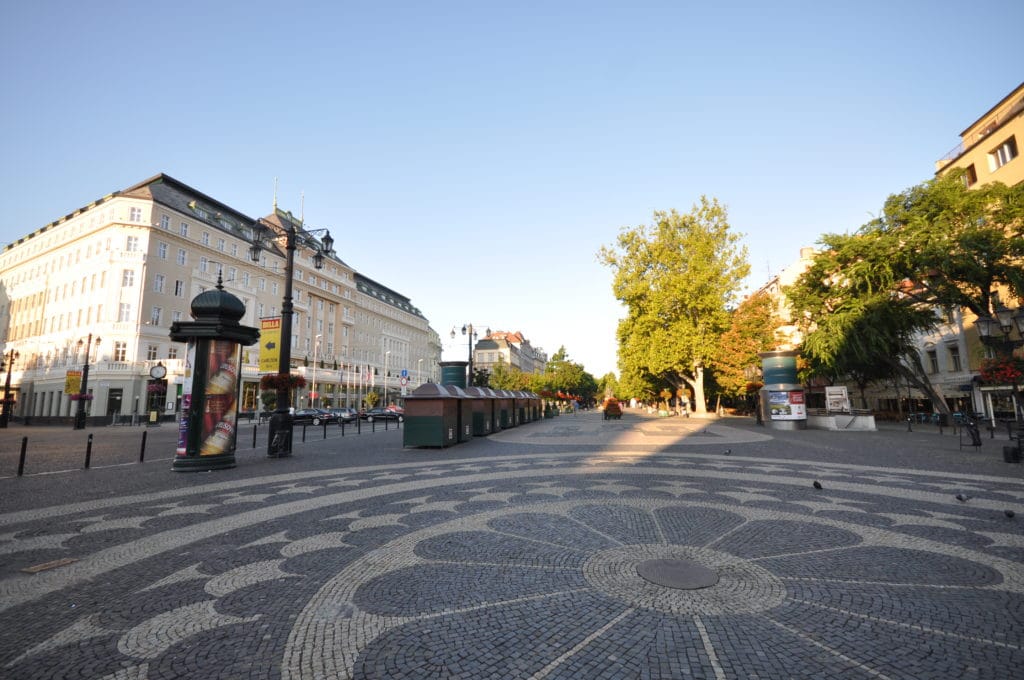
(254, 436)
(142, 447)
(21, 459)
(325, 429)
(303, 433)
(909, 428)
(88, 451)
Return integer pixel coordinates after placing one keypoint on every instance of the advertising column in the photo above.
(206, 433)
(783, 405)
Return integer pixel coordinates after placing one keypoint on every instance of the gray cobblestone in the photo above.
(515, 557)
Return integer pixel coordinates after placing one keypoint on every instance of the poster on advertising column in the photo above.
(787, 405)
(186, 398)
(217, 433)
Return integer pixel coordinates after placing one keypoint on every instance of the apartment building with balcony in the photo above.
(126, 266)
(989, 151)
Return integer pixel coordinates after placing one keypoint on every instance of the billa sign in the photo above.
(270, 344)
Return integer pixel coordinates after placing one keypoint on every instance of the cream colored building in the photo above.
(511, 349)
(126, 266)
(989, 151)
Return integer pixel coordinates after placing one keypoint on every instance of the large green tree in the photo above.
(937, 246)
(565, 375)
(676, 277)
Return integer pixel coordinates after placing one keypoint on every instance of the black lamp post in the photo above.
(5, 416)
(79, 423)
(1005, 321)
(471, 336)
(280, 440)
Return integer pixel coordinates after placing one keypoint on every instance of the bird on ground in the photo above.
(1009, 513)
(962, 497)
(817, 484)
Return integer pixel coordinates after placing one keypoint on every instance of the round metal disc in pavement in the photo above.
(677, 573)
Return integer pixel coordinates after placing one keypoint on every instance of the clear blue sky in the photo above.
(474, 156)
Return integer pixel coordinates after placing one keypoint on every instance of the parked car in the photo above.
(344, 415)
(312, 416)
(381, 413)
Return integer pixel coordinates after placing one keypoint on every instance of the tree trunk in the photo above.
(919, 379)
(700, 406)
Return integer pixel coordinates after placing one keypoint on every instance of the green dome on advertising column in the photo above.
(217, 305)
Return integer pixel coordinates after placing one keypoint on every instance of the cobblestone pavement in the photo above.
(520, 556)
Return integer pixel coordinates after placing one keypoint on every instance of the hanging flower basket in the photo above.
(279, 381)
(1005, 371)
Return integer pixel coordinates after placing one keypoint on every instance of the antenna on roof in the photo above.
(275, 194)
(302, 207)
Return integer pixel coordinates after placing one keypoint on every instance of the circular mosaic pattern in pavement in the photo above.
(525, 566)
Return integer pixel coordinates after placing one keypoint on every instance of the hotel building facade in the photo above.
(109, 279)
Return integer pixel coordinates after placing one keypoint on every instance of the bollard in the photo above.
(325, 429)
(21, 459)
(88, 451)
(909, 428)
(342, 423)
(303, 434)
(142, 447)
(254, 436)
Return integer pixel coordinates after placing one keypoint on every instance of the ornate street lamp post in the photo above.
(83, 393)
(471, 336)
(280, 440)
(5, 416)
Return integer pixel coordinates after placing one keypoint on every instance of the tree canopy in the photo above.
(676, 277)
(751, 331)
(937, 246)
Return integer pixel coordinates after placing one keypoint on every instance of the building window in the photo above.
(155, 315)
(124, 312)
(182, 258)
(179, 288)
(970, 176)
(221, 244)
(135, 214)
(232, 273)
(203, 264)
(127, 278)
(206, 238)
(131, 244)
(158, 283)
(261, 284)
(184, 229)
(120, 350)
(165, 222)
(234, 250)
(245, 279)
(161, 251)
(954, 359)
(176, 316)
(933, 361)
(151, 351)
(1003, 154)
(172, 352)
